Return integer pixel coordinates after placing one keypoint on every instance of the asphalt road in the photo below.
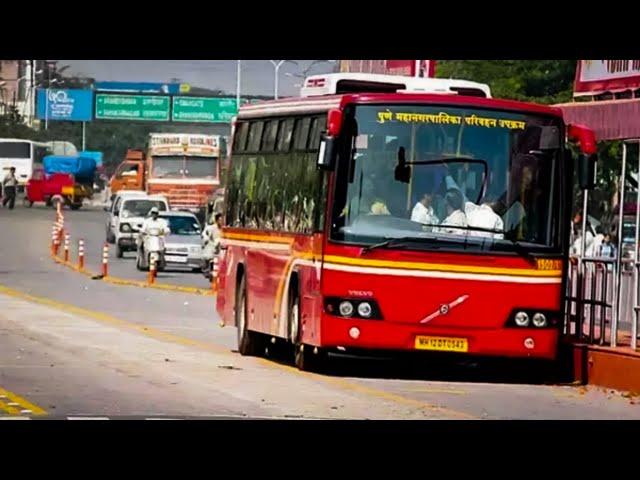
(71, 346)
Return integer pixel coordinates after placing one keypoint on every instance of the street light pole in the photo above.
(238, 72)
(276, 66)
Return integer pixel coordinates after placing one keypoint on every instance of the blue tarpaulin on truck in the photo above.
(97, 156)
(82, 168)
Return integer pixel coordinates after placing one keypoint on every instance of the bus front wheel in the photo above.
(306, 357)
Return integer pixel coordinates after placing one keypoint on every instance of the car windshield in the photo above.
(466, 178)
(140, 208)
(182, 225)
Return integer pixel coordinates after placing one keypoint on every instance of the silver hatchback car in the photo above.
(183, 246)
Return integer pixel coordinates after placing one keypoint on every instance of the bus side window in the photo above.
(240, 137)
(285, 133)
(255, 136)
(301, 134)
(269, 137)
(318, 125)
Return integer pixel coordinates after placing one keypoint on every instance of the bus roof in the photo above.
(336, 83)
(302, 105)
(324, 92)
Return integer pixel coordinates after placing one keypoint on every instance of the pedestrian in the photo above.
(10, 184)
(607, 248)
(597, 242)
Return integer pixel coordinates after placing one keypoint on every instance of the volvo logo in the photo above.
(444, 308)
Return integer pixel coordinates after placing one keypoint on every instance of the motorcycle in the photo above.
(151, 248)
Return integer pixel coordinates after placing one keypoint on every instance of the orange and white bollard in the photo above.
(151, 278)
(81, 254)
(105, 260)
(54, 237)
(214, 275)
(67, 240)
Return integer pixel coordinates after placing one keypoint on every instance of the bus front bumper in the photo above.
(381, 335)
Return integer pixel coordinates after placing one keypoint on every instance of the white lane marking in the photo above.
(15, 418)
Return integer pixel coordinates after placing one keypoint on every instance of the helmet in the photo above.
(153, 211)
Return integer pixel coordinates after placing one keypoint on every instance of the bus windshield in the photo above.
(437, 176)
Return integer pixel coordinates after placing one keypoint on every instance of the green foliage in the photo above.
(540, 81)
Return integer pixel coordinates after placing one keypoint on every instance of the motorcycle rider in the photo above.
(152, 221)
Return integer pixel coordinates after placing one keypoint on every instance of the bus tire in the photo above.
(249, 343)
(305, 357)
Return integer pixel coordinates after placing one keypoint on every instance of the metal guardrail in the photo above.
(602, 300)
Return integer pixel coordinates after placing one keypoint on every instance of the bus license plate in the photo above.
(442, 344)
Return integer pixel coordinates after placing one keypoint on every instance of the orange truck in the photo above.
(183, 167)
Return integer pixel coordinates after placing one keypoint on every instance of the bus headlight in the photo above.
(365, 310)
(346, 308)
(522, 319)
(539, 320)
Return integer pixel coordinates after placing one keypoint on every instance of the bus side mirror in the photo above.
(587, 171)
(326, 153)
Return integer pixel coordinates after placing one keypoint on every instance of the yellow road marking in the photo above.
(14, 404)
(136, 283)
(160, 335)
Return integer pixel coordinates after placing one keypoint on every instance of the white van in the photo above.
(115, 205)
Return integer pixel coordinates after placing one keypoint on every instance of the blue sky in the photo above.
(257, 75)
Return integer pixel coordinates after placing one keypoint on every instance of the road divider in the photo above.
(58, 233)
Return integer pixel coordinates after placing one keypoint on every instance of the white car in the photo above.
(129, 216)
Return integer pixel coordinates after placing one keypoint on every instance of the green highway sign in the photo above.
(202, 109)
(132, 107)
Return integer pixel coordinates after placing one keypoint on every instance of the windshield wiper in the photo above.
(395, 241)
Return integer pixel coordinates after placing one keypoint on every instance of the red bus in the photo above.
(393, 213)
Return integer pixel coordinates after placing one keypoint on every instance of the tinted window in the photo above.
(302, 133)
(15, 150)
(240, 138)
(318, 126)
(284, 135)
(269, 137)
(255, 136)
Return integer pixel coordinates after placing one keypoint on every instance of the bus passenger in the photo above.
(485, 216)
(456, 216)
(423, 211)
